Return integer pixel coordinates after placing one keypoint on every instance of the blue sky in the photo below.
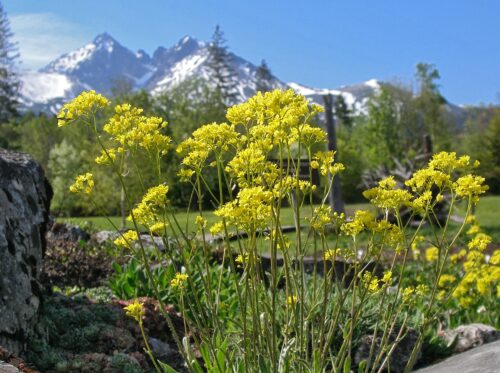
(322, 44)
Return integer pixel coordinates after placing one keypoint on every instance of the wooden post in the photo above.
(335, 197)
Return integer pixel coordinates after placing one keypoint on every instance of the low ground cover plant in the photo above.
(244, 317)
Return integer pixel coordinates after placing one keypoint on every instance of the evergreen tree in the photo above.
(263, 78)
(9, 83)
(342, 112)
(221, 72)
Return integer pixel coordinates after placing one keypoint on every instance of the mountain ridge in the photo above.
(104, 62)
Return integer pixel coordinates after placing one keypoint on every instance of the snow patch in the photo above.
(181, 70)
(373, 83)
(42, 87)
(70, 61)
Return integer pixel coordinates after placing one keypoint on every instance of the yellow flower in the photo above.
(201, 222)
(480, 242)
(179, 280)
(325, 162)
(217, 228)
(106, 157)
(330, 254)
(424, 179)
(446, 280)
(87, 103)
(185, 174)
(158, 228)
(385, 196)
(458, 256)
(208, 139)
(421, 290)
(474, 229)
(126, 239)
(131, 129)
(322, 216)
(250, 210)
(431, 254)
(135, 310)
(150, 210)
(83, 183)
(362, 219)
(291, 300)
(387, 278)
(495, 258)
(470, 186)
(408, 294)
(448, 162)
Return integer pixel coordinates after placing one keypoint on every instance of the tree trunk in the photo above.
(335, 197)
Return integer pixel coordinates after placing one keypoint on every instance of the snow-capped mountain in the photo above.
(104, 62)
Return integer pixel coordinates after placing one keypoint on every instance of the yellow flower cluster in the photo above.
(448, 162)
(411, 294)
(330, 254)
(201, 222)
(107, 156)
(277, 117)
(86, 104)
(249, 167)
(149, 212)
(446, 280)
(386, 196)
(291, 300)
(207, 140)
(362, 219)
(179, 281)
(83, 183)
(431, 254)
(439, 173)
(130, 129)
(375, 284)
(127, 239)
(321, 217)
(324, 161)
(135, 310)
(470, 186)
(250, 210)
(481, 276)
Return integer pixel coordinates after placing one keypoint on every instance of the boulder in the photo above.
(400, 356)
(483, 359)
(25, 196)
(471, 335)
(67, 232)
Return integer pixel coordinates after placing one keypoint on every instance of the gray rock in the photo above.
(104, 236)
(148, 241)
(471, 335)
(483, 359)
(7, 368)
(67, 232)
(400, 356)
(161, 350)
(25, 196)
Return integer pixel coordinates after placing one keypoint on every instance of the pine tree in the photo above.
(342, 112)
(263, 78)
(9, 83)
(221, 72)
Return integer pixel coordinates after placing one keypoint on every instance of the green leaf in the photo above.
(347, 364)
(362, 366)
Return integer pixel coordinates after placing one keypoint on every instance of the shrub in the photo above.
(281, 318)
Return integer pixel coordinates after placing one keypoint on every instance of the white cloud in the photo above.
(42, 37)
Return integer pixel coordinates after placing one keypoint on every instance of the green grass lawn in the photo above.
(487, 213)
(108, 223)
